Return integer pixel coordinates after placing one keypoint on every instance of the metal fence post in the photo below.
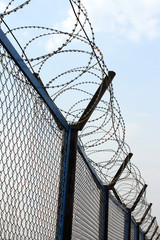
(137, 234)
(144, 237)
(62, 187)
(106, 190)
(69, 185)
(128, 225)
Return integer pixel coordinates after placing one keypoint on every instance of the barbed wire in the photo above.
(71, 89)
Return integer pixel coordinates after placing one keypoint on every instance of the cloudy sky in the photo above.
(128, 34)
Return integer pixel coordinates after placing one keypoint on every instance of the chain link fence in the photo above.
(88, 203)
(33, 172)
(30, 158)
(116, 221)
(133, 230)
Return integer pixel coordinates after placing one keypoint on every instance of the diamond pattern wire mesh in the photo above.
(87, 212)
(116, 221)
(133, 231)
(30, 159)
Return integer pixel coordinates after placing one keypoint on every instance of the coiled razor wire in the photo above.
(71, 73)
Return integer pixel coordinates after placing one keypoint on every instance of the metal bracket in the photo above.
(94, 101)
(149, 227)
(117, 196)
(138, 198)
(145, 214)
(120, 171)
(154, 232)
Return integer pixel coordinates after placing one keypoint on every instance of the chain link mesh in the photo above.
(30, 158)
(116, 221)
(87, 212)
(133, 231)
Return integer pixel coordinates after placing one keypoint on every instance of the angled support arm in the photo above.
(94, 101)
(120, 171)
(138, 198)
(154, 233)
(150, 225)
(145, 214)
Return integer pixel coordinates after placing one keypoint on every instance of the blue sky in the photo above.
(128, 34)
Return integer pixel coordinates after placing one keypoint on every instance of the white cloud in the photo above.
(53, 43)
(68, 24)
(133, 35)
(2, 6)
(133, 18)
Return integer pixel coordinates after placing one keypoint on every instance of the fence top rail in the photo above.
(33, 80)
